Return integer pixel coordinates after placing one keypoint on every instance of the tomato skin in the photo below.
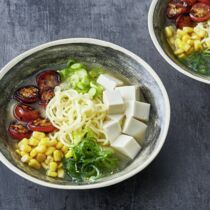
(46, 96)
(189, 2)
(200, 12)
(18, 131)
(27, 94)
(184, 21)
(25, 113)
(42, 125)
(176, 8)
(48, 79)
(204, 2)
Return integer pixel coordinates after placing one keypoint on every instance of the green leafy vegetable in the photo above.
(199, 62)
(80, 78)
(89, 161)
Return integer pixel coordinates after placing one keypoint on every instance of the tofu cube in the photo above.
(109, 82)
(116, 117)
(127, 145)
(114, 102)
(129, 92)
(138, 110)
(112, 130)
(134, 128)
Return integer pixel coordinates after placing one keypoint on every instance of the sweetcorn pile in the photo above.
(41, 152)
(187, 40)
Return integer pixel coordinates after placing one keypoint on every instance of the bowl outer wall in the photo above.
(161, 137)
(161, 51)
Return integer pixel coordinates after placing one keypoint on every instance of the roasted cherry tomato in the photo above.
(48, 79)
(25, 113)
(200, 12)
(42, 125)
(204, 1)
(46, 96)
(18, 131)
(27, 94)
(176, 8)
(184, 21)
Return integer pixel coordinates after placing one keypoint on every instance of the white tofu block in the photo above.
(138, 110)
(129, 92)
(135, 128)
(127, 145)
(114, 102)
(109, 82)
(116, 117)
(112, 130)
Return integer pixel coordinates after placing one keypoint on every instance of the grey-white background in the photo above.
(179, 178)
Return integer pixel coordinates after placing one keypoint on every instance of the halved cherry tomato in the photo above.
(27, 94)
(46, 96)
(184, 21)
(25, 113)
(18, 131)
(200, 12)
(176, 8)
(48, 79)
(204, 1)
(42, 125)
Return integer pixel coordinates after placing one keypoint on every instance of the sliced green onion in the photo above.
(76, 66)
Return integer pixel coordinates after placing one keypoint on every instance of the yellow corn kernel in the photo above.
(195, 36)
(169, 31)
(38, 135)
(201, 33)
(25, 148)
(51, 173)
(50, 150)
(44, 141)
(60, 173)
(190, 42)
(33, 142)
(180, 33)
(65, 149)
(41, 157)
(52, 142)
(49, 159)
(178, 43)
(53, 166)
(178, 51)
(23, 153)
(59, 145)
(186, 47)
(25, 158)
(182, 55)
(69, 154)
(185, 38)
(34, 164)
(18, 151)
(23, 142)
(45, 166)
(33, 153)
(197, 45)
(60, 165)
(57, 155)
(188, 29)
(41, 148)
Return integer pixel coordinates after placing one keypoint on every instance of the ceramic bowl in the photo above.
(157, 21)
(117, 59)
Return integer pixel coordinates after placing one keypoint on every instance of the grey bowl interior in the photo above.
(159, 22)
(113, 60)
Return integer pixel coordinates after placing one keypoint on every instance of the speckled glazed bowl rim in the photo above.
(161, 51)
(161, 138)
